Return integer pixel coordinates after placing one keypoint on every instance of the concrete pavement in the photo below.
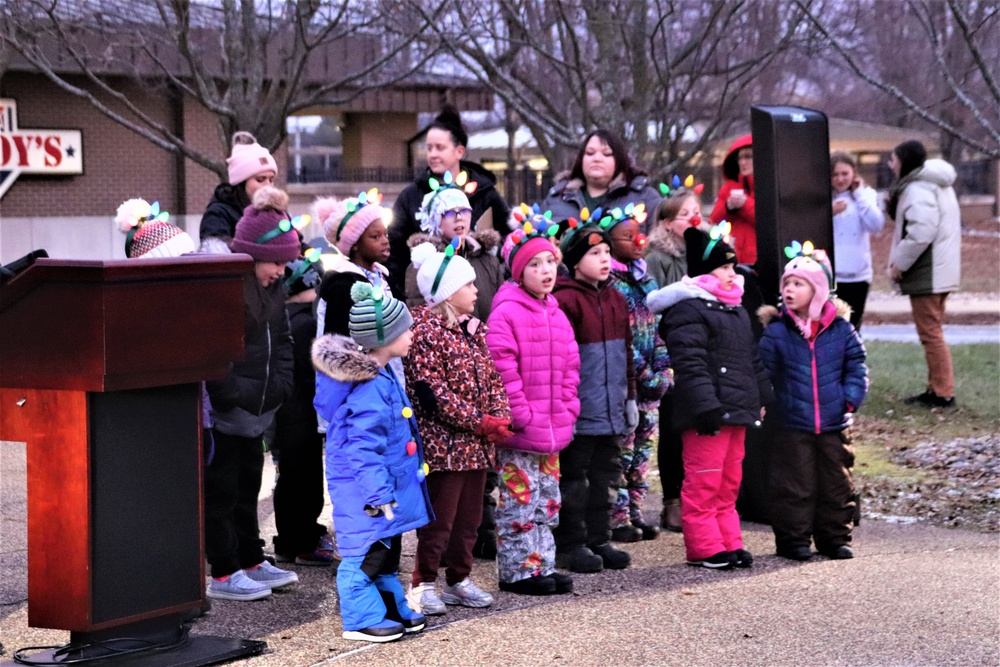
(915, 595)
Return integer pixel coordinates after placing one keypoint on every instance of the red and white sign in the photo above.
(56, 152)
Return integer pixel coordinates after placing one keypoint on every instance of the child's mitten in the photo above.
(631, 415)
(708, 422)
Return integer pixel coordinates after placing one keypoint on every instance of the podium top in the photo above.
(121, 324)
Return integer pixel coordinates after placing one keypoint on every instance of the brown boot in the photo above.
(670, 519)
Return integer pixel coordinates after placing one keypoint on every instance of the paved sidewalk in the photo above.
(915, 595)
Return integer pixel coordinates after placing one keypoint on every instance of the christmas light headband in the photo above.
(665, 189)
(719, 232)
(311, 256)
(460, 182)
(373, 196)
(810, 252)
(449, 252)
(284, 225)
(534, 224)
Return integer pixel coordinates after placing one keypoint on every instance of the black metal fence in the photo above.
(338, 174)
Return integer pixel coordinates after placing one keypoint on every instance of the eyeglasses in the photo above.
(457, 213)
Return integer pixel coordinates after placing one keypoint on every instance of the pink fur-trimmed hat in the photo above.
(813, 266)
(345, 220)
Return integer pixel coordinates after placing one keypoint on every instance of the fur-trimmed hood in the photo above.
(340, 358)
(661, 240)
(477, 243)
(767, 313)
(666, 297)
(565, 184)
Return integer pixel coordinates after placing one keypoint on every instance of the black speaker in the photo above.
(791, 166)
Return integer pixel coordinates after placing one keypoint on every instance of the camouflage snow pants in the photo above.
(527, 512)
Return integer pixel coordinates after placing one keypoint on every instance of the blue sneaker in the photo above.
(271, 576)
(237, 586)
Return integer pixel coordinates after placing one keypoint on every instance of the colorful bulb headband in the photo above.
(719, 232)
(460, 182)
(534, 224)
(155, 214)
(587, 219)
(665, 189)
(284, 225)
(808, 251)
(373, 196)
(311, 256)
(449, 252)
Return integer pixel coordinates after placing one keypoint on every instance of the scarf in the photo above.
(713, 286)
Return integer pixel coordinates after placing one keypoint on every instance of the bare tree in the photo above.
(250, 63)
(669, 75)
(935, 59)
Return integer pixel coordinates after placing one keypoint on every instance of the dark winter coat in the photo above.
(222, 213)
(600, 321)
(245, 401)
(451, 380)
(714, 357)
(296, 419)
(814, 380)
(565, 199)
(368, 460)
(480, 248)
(405, 224)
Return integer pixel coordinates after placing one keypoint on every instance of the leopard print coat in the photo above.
(452, 383)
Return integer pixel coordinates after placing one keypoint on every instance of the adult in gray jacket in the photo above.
(604, 175)
(856, 216)
(926, 257)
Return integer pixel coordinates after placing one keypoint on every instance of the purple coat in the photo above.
(537, 356)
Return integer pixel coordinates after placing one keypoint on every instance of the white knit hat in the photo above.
(435, 204)
(440, 274)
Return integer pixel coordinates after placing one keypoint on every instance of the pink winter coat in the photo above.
(536, 354)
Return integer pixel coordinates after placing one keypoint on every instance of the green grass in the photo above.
(897, 370)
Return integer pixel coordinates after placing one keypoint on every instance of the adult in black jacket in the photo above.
(446, 146)
(250, 167)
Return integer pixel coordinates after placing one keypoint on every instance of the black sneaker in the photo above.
(929, 399)
(530, 586)
(627, 533)
(720, 561)
(614, 559)
(564, 582)
(581, 559)
(383, 631)
(843, 552)
(744, 558)
(649, 531)
(800, 553)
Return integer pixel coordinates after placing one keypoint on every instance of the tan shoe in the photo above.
(670, 519)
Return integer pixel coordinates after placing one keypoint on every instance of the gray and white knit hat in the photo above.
(376, 318)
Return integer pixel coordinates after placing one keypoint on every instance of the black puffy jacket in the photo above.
(405, 224)
(715, 360)
(245, 401)
(221, 214)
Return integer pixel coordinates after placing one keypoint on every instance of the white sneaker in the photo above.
(271, 576)
(237, 586)
(424, 599)
(466, 594)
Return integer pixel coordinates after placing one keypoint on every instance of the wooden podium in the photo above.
(100, 371)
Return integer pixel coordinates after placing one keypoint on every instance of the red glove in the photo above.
(494, 429)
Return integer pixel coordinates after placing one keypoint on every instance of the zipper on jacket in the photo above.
(815, 382)
(267, 372)
(552, 395)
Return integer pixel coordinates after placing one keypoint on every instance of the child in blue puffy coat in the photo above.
(374, 463)
(817, 365)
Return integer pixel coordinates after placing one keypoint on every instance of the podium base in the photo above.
(197, 650)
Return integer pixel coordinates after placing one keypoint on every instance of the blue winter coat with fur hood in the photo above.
(814, 380)
(367, 462)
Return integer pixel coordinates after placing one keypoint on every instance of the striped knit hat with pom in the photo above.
(148, 234)
(376, 318)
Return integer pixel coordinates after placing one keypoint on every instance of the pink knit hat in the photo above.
(344, 221)
(148, 234)
(813, 266)
(248, 159)
(260, 232)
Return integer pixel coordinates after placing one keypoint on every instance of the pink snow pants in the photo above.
(713, 469)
